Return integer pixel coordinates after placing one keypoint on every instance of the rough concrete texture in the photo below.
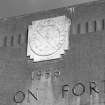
(84, 61)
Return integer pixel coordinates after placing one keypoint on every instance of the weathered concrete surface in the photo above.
(84, 61)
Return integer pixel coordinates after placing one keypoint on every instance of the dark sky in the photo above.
(17, 7)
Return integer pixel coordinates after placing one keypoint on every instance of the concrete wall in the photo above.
(18, 7)
(85, 61)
